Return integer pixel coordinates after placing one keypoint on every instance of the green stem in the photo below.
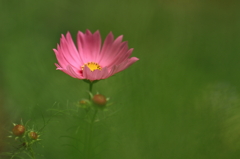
(90, 89)
(89, 130)
(89, 139)
(32, 154)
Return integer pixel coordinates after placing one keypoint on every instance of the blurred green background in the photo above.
(179, 101)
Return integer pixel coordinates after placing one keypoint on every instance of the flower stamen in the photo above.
(92, 66)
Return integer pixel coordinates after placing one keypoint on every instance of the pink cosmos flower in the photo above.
(90, 59)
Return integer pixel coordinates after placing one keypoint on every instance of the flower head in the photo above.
(91, 60)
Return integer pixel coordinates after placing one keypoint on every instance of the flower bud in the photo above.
(18, 130)
(83, 102)
(99, 100)
(33, 135)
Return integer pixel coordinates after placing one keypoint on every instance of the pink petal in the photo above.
(60, 58)
(124, 56)
(106, 49)
(74, 73)
(116, 52)
(127, 63)
(69, 51)
(73, 52)
(89, 45)
(65, 71)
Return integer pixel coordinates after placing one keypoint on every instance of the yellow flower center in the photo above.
(92, 66)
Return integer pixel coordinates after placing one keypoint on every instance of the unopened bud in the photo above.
(99, 100)
(33, 135)
(83, 102)
(18, 130)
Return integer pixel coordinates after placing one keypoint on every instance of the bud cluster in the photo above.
(24, 134)
(98, 101)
